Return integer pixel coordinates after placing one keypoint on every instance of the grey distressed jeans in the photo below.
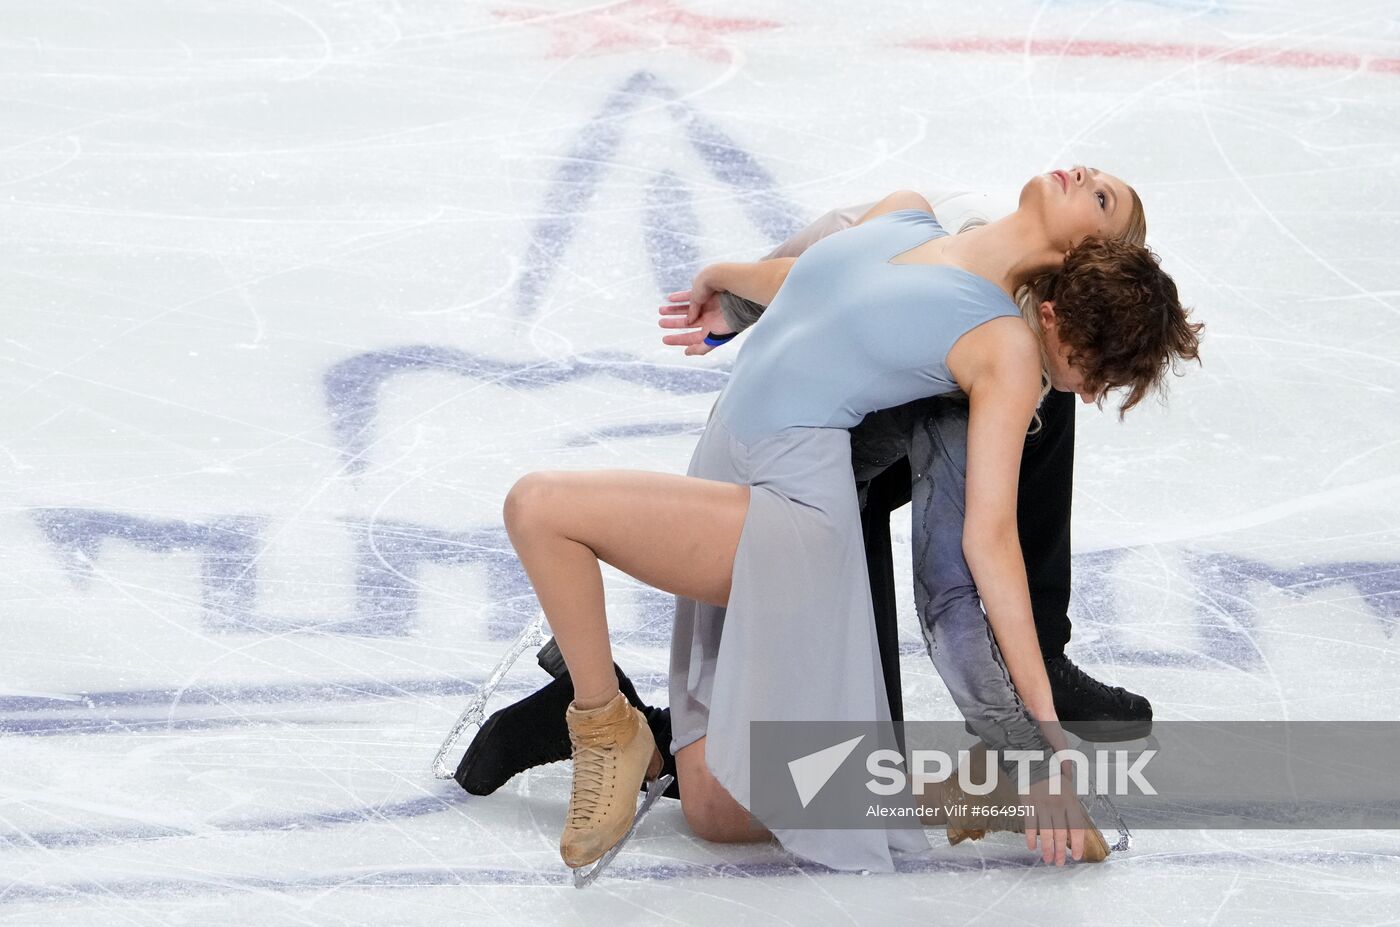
(933, 433)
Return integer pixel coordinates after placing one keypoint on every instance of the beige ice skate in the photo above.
(971, 826)
(614, 753)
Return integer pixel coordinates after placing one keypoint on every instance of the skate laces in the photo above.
(1069, 672)
(590, 780)
(597, 747)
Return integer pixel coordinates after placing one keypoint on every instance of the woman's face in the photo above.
(1079, 202)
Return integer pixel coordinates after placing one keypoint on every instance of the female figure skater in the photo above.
(763, 537)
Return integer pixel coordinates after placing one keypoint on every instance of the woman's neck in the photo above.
(1010, 252)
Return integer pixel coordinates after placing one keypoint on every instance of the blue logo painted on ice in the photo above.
(813, 771)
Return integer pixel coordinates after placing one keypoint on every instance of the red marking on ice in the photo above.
(1152, 51)
(648, 25)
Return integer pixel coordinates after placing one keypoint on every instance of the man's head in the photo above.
(1110, 318)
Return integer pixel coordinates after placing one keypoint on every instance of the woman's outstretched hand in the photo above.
(702, 318)
(1058, 822)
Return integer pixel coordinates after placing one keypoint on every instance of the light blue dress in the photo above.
(850, 332)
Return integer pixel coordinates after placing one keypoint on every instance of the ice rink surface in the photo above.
(294, 291)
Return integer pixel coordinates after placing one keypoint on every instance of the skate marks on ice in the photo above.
(1008, 858)
(1223, 591)
(1223, 603)
(1227, 596)
(1223, 633)
(388, 558)
(673, 226)
(352, 386)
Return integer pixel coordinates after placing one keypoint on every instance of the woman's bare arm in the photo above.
(998, 365)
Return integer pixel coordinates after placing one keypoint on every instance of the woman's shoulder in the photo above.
(1000, 357)
(900, 201)
(1000, 348)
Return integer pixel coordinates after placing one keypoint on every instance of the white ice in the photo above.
(293, 291)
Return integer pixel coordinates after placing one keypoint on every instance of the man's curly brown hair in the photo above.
(1120, 316)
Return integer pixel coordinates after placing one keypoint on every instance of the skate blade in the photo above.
(1125, 836)
(584, 875)
(532, 635)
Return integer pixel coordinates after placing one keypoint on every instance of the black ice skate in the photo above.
(533, 634)
(1096, 712)
(1091, 710)
(533, 732)
(658, 719)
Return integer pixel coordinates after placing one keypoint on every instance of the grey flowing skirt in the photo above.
(797, 641)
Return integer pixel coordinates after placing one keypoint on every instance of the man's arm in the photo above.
(828, 224)
(955, 209)
(726, 313)
(740, 313)
(759, 282)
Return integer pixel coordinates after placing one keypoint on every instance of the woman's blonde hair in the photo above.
(1031, 295)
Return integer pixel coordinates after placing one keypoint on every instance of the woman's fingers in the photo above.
(1056, 840)
(1038, 835)
(1052, 843)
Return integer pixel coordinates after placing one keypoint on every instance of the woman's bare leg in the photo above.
(674, 533)
(710, 810)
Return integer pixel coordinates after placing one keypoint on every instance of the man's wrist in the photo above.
(739, 313)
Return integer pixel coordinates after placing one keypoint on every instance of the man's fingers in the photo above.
(1076, 842)
(680, 296)
(693, 342)
(672, 321)
(675, 308)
